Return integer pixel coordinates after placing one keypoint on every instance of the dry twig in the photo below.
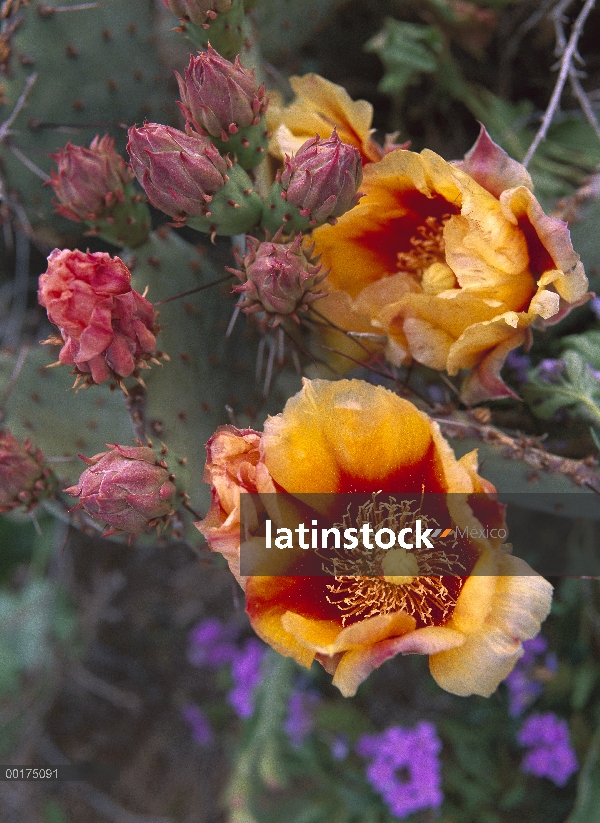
(568, 52)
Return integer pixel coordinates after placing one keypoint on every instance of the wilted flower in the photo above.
(179, 172)
(319, 108)
(352, 436)
(316, 185)
(89, 181)
(128, 488)
(278, 278)
(218, 98)
(551, 754)
(107, 328)
(452, 262)
(24, 475)
(198, 12)
(412, 751)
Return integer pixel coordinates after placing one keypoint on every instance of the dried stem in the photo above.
(569, 53)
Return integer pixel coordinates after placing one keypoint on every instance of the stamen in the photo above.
(427, 246)
(429, 596)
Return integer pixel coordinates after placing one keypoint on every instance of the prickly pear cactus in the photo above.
(72, 74)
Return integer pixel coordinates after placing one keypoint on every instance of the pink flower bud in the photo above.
(198, 12)
(322, 178)
(24, 475)
(89, 181)
(218, 97)
(127, 487)
(179, 172)
(107, 329)
(278, 278)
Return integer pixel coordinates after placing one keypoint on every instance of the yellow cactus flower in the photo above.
(319, 107)
(350, 436)
(452, 262)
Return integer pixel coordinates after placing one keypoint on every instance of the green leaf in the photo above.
(578, 390)
(406, 50)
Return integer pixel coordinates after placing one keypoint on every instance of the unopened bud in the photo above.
(222, 100)
(24, 476)
(128, 488)
(179, 172)
(278, 278)
(317, 185)
(108, 330)
(95, 186)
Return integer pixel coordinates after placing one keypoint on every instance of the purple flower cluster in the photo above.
(212, 644)
(551, 754)
(300, 720)
(526, 681)
(404, 767)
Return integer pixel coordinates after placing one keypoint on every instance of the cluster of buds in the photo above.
(317, 185)
(128, 488)
(185, 176)
(222, 100)
(108, 330)
(24, 476)
(95, 186)
(278, 279)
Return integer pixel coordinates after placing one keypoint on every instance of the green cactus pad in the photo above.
(235, 209)
(97, 70)
(225, 33)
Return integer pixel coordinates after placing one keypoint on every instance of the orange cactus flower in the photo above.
(349, 436)
(319, 107)
(452, 262)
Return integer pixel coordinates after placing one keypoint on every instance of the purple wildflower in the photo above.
(594, 305)
(551, 754)
(211, 644)
(550, 371)
(246, 674)
(198, 723)
(437, 393)
(526, 681)
(300, 720)
(520, 364)
(405, 767)
(339, 747)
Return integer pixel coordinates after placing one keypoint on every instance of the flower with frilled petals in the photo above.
(350, 436)
(25, 478)
(277, 278)
(128, 488)
(108, 329)
(179, 172)
(89, 181)
(319, 108)
(452, 262)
